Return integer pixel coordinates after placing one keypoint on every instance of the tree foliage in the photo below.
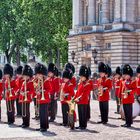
(40, 25)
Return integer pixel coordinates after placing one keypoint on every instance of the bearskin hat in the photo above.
(52, 68)
(67, 73)
(1, 74)
(89, 70)
(102, 68)
(56, 72)
(127, 70)
(27, 70)
(109, 70)
(118, 71)
(8, 69)
(70, 66)
(40, 69)
(95, 75)
(84, 71)
(138, 69)
(19, 70)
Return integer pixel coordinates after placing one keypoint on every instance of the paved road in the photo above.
(111, 131)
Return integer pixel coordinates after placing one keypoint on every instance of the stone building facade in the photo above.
(112, 27)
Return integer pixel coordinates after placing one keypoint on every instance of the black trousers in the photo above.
(10, 111)
(65, 110)
(26, 114)
(104, 111)
(82, 113)
(43, 111)
(118, 104)
(128, 113)
(18, 106)
(88, 109)
(53, 108)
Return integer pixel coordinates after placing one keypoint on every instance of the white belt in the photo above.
(138, 87)
(117, 87)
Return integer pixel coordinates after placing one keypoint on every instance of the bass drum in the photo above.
(136, 110)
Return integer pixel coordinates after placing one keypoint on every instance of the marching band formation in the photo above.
(45, 86)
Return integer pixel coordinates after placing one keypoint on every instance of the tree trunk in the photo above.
(50, 56)
(18, 55)
(8, 57)
(58, 58)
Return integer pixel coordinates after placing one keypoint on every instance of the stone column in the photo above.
(76, 13)
(105, 11)
(92, 12)
(123, 13)
(117, 13)
(138, 10)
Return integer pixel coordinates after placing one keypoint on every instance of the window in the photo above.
(99, 11)
(84, 12)
(108, 46)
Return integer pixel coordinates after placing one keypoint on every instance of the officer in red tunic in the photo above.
(82, 96)
(18, 81)
(67, 92)
(138, 83)
(26, 95)
(117, 86)
(43, 96)
(104, 87)
(54, 81)
(10, 92)
(127, 95)
(1, 91)
(73, 79)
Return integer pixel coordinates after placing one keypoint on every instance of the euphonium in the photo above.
(42, 90)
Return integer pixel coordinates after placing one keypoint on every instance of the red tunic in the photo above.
(138, 86)
(1, 90)
(128, 85)
(18, 82)
(83, 92)
(10, 90)
(68, 92)
(73, 81)
(47, 89)
(29, 90)
(106, 83)
(117, 86)
(55, 86)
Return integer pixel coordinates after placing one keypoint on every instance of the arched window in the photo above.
(99, 11)
(84, 4)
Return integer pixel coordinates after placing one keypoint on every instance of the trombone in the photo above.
(9, 104)
(25, 99)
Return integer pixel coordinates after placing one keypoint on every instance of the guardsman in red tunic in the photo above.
(82, 97)
(117, 86)
(138, 83)
(73, 79)
(43, 96)
(26, 95)
(54, 81)
(10, 93)
(18, 81)
(104, 87)
(127, 94)
(66, 94)
(1, 91)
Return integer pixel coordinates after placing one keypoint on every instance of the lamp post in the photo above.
(94, 55)
(73, 56)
